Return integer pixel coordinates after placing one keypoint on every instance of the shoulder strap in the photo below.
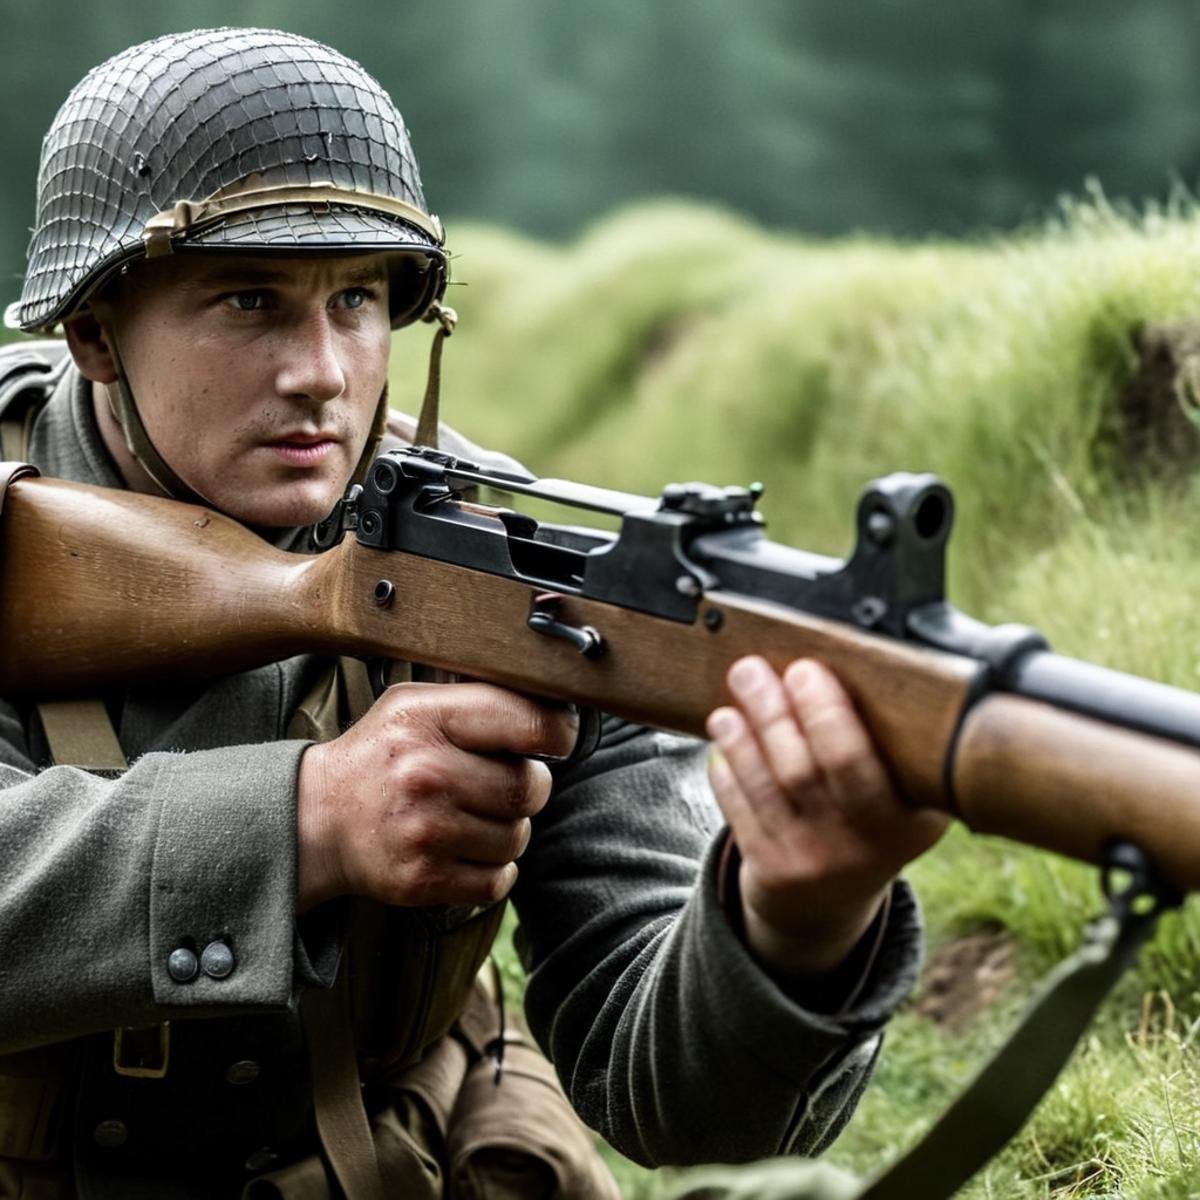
(29, 373)
(78, 732)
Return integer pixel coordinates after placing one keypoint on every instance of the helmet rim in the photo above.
(279, 231)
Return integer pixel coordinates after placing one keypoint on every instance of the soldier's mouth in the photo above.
(302, 452)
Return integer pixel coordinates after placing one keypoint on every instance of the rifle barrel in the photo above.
(1112, 696)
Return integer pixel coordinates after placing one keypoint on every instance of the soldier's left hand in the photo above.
(821, 827)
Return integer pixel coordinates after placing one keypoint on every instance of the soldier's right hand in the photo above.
(428, 798)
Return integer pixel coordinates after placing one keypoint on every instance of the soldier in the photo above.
(235, 943)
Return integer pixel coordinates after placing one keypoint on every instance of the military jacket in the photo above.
(669, 1038)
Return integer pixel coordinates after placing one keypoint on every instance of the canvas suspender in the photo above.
(79, 733)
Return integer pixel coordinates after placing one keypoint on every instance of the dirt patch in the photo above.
(1158, 410)
(965, 977)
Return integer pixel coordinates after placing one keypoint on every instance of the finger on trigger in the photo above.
(485, 719)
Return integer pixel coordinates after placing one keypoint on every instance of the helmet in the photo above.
(237, 140)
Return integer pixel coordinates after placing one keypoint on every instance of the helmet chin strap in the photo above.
(137, 440)
(125, 412)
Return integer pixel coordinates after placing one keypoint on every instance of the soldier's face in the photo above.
(257, 377)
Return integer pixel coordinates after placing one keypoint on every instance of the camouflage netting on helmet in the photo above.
(191, 115)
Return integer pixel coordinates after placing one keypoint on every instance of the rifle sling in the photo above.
(990, 1111)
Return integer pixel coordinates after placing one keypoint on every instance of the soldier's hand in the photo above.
(428, 798)
(819, 824)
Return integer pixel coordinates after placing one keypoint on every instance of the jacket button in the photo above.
(216, 960)
(260, 1160)
(182, 965)
(110, 1134)
(246, 1071)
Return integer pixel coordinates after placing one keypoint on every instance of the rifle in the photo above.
(984, 722)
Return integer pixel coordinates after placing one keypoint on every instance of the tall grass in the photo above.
(675, 342)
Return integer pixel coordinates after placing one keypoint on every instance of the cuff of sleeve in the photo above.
(837, 991)
(223, 882)
(772, 1015)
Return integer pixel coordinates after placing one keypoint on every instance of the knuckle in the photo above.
(798, 775)
(416, 712)
(550, 731)
(512, 797)
(847, 760)
(854, 770)
(422, 778)
(539, 729)
(427, 883)
(423, 835)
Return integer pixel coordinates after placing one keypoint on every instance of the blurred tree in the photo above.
(899, 116)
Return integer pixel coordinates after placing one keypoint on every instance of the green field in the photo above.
(675, 342)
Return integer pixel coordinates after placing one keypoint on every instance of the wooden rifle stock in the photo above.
(100, 587)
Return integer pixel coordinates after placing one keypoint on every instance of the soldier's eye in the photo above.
(356, 297)
(254, 301)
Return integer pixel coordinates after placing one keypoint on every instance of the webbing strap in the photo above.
(990, 1111)
(341, 694)
(337, 1092)
(80, 734)
(427, 423)
(15, 431)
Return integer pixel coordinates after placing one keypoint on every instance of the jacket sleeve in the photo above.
(668, 1037)
(102, 880)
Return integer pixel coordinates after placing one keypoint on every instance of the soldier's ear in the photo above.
(88, 342)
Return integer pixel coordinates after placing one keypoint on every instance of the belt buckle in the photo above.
(142, 1053)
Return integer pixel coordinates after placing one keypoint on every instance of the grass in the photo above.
(677, 342)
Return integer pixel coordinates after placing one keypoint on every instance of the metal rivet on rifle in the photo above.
(688, 585)
(881, 527)
(369, 522)
(385, 593)
(869, 611)
(714, 619)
